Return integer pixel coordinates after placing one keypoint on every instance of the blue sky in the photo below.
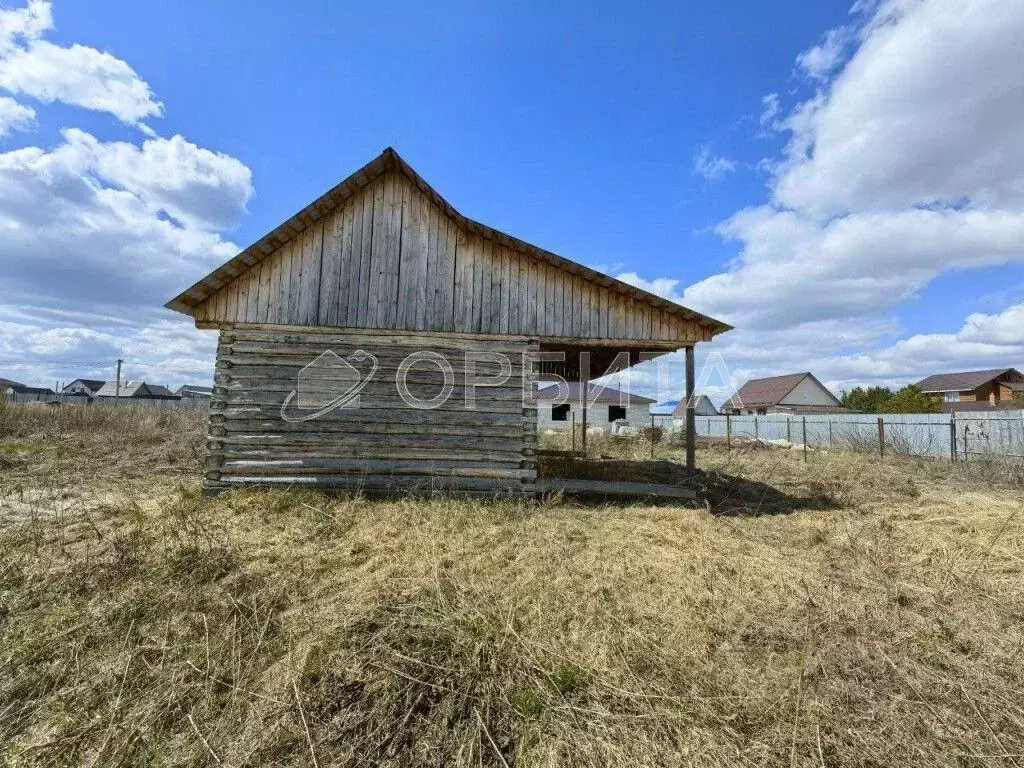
(790, 167)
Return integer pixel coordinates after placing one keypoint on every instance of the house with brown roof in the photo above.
(974, 390)
(793, 393)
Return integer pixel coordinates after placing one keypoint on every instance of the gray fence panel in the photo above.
(185, 402)
(995, 433)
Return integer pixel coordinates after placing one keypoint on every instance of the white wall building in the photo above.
(558, 404)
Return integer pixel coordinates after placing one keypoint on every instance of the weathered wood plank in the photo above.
(505, 260)
(330, 268)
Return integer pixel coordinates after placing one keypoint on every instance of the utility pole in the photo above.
(117, 388)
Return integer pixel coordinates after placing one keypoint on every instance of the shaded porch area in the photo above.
(579, 361)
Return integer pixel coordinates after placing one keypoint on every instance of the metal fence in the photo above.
(958, 436)
(82, 400)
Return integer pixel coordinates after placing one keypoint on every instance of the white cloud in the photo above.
(166, 352)
(1003, 329)
(770, 106)
(820, 61)
(839, 353)
(76, 75)
(14, 116)
(908, 163)
(666, 287)
(203, 188)
(795, 269)
(96, 235)
(711, 166)
(22, 26)
(926, 111)
(71, 241)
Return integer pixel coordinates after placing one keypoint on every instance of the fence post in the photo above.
(789, 430)
(952, 437)
(573, 435)
(805, 437)
(967, 429)
(583, 436)
(881, 437)
(652, 437)
(830, 434)
(756, 435)
(728, 432)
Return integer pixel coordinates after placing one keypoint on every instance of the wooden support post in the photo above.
(881, 437)
(830, 434)
(952, 437)
(728, 433)
(573, 434)
(789, 429)
(691, 420)
(805, 437)
(756, 435)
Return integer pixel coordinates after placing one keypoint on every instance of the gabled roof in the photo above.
(158, 390)
(961, 382)
(128, 389)
(22, 389)
(572, 392)
(188, 300)
(679, 411)
(93, 385)
(192, 389)
(770, 391)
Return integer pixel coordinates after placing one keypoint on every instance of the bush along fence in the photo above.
(957, 437)
(138, 402)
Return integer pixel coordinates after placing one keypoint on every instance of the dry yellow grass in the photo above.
(875, 618)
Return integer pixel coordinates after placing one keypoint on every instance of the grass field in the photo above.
(845, 611)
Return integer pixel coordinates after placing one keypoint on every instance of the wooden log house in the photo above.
(383, 265)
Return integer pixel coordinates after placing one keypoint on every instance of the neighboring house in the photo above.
(160, 392)
(192, 392)
(10, 387)
(704, 407)
(558, 404)
(83, 387)
(138, 390)
(377, 269)
(974, 390)
(794, 393)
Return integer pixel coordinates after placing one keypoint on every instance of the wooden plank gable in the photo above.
(391, 258)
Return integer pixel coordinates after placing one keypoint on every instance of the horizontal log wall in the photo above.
(391, 258)
(384, 444)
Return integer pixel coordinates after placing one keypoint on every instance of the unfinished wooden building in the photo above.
(336, 299)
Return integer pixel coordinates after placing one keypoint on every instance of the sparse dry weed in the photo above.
(880, 622)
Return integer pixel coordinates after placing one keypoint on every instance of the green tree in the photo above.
(910, 399)
(866, 400)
